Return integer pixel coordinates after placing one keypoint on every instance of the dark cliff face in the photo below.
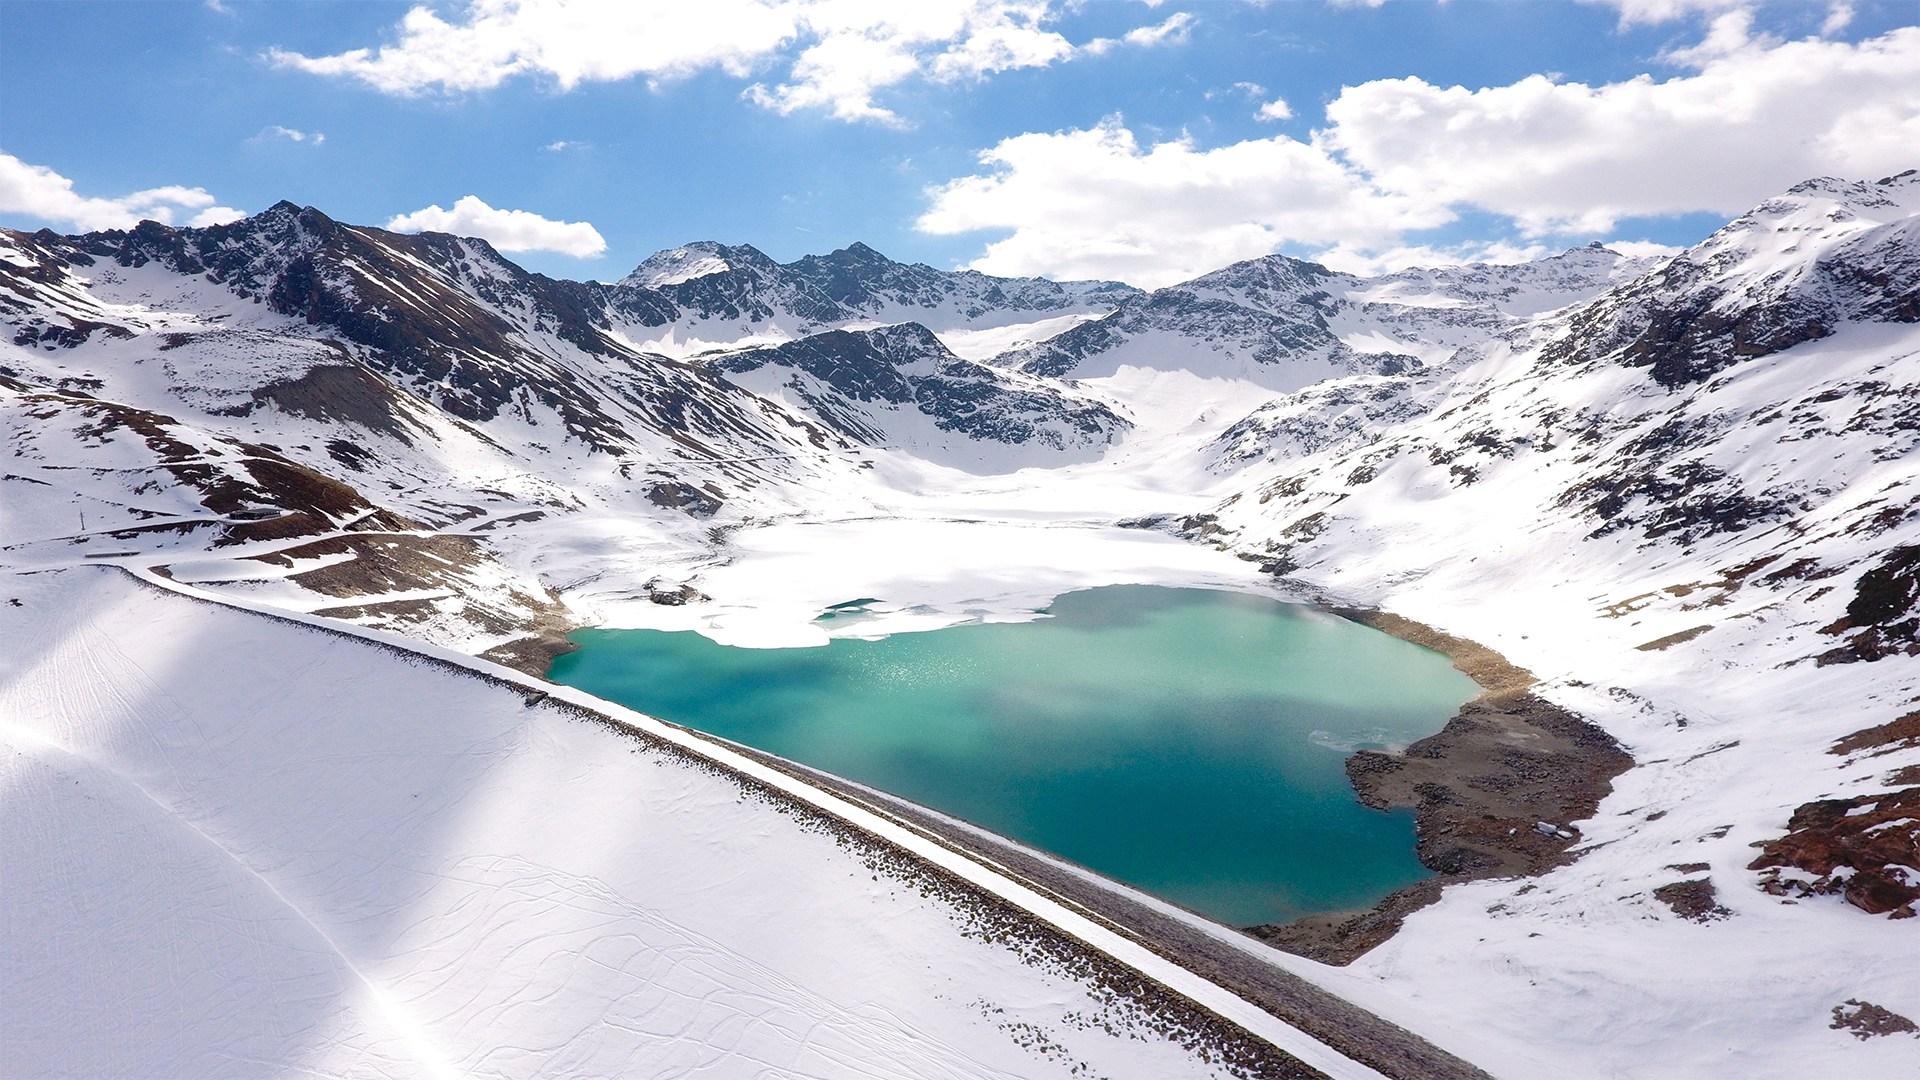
(446, 319)
(907, 366)
(1735, 298)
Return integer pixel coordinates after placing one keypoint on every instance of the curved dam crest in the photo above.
(1189, 742)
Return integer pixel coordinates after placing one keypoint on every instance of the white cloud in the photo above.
(38, 192)
(838, 53)
(1250, 90)
(277, 132)
(1174, 30)
(1096, 203)
(1277, 109)
(215, 215)
(561, 146)
(1641, 12)
(508, 230)
(1754, 117)
(569, 42)
(860, 49)
(1749, 118)
(1358, 259)
(1839, 17)
(1643, 248)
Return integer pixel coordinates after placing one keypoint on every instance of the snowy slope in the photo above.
(1692, 512)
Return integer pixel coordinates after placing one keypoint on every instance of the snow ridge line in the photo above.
(1204, 993)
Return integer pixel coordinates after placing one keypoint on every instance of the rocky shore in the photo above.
(1493, 793)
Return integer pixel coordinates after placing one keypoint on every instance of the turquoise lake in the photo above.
(1186, 741)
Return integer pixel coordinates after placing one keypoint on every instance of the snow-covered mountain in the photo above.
(889, 385)
(1682, 494)
(1284, 323)
(706, 294)
(456, 387)
(1689, 506)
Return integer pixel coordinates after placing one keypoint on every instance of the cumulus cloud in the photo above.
(279, 133)
(37, 192)
(215, 215)
(1643, 248)
(508, 230)
(1098, 203)
(570, 43)
(1357, 259)
(838, 54)
(1753, 117)
(1277, 109)
(1642, 12)
(561, 146)
(1174, 30)
(1745, 118)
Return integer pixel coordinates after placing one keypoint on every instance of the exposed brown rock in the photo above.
(1883, 619)
(1492, 792)
(1899, 734)
(345, 392)
(684, 497)
(1661, 643)
(404, 562)
(1694, 899)
(1861, 848)
(1869, 1021)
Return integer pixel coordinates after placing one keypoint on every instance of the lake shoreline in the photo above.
(1494, 793)
(1077, 731)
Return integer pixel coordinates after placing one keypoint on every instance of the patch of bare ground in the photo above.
(1865, 1020)
(1898, 734)
(1693, 899)
(1883, 618)
(1661, 644)
(534, 627)
(1865, 849)
(1493, 792)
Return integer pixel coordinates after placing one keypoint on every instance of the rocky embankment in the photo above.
(1493, 793)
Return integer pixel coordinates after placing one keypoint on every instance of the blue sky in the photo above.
(1139, 158)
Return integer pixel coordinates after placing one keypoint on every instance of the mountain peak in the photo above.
(1586, 250)
(1878, 200)
(688, 262)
